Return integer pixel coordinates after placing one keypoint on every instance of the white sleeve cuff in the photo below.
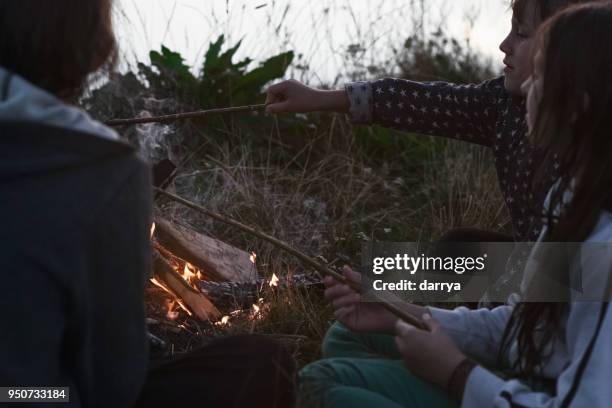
(454, 322)
(482, 388)
(360, 98)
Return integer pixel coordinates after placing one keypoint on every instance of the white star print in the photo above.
(511, 150)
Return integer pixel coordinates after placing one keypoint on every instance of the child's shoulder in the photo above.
(497, 91)
(595, 264)
(495, 86)
(496, 83)
(602, 232)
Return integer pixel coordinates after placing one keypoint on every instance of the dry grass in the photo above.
(326, 187)
(326, 196)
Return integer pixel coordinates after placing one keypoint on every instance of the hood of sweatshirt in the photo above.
(21, 101)
(41, 135)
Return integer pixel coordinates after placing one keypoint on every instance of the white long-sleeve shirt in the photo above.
(581, 359)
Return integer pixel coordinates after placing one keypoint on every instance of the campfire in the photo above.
(192, 269)
(199, 285)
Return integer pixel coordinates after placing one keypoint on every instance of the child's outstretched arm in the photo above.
(464, 112)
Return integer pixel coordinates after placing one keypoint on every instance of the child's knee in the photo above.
(316, 380)
(336, 339)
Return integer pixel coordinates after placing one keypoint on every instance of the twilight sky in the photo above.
(321, 30)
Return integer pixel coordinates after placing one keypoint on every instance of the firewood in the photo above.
(194, 300)
(217, 260)
(244, 294)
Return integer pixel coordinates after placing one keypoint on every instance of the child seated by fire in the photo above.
(528, 353)
(490, 114)
(75, 254)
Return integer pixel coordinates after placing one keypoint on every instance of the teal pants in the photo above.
(364, 370)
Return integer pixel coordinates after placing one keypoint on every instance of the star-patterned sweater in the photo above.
(485, 114)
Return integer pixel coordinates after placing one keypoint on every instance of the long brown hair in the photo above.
(543, 9)
(574, 126)
(56, 44)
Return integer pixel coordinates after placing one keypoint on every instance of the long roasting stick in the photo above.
(325, 270)
(186, 115)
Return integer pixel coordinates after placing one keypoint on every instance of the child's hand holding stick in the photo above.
(293, 96)
(351, 311)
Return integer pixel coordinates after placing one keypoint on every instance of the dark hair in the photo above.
(544, 9)
(573, 125)
(56, 44)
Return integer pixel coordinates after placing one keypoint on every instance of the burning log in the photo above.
(189, 298)
(217, 260)
(245, 294)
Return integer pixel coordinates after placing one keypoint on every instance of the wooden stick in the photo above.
(325, 270)
(186, 115)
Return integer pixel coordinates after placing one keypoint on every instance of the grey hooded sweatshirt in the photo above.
(75, 206)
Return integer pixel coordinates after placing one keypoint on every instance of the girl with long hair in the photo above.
(529, 353)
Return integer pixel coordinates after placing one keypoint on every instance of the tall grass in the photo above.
(333, 39)
(326, 199)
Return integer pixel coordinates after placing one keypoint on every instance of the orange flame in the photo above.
(273, 281)
(159, 284)
(223, 322)
(171, 314)
(253, 257)
(190, 274)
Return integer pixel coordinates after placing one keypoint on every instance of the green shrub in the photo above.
(219, 82)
